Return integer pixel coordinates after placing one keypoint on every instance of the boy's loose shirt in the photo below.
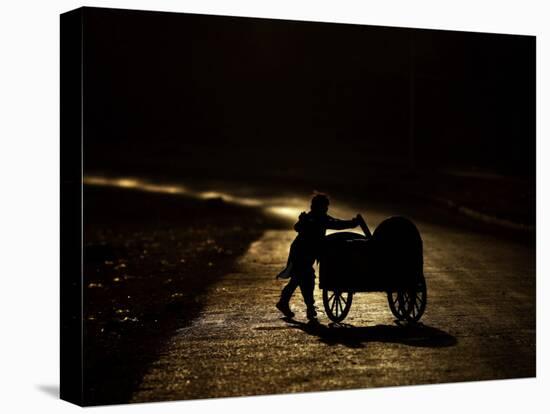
(311, 229)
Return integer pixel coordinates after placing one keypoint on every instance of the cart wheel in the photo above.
(409, 304)
(337, 304)
(398, 302)
(417, 301)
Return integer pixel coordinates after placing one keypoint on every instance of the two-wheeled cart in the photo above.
(390, 260)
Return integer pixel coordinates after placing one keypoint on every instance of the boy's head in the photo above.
(319, 203)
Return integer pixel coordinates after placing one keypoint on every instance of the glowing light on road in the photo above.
(288, 212)
(291, 210)
(127, 183)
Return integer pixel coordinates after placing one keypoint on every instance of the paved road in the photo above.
(479, 324)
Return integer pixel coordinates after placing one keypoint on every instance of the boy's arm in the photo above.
(337, 224)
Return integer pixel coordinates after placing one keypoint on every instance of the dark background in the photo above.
(189, 96)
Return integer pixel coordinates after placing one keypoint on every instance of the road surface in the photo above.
(479, 325)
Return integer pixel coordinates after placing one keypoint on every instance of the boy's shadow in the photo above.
(412, 334)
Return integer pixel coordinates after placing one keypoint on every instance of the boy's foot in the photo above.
(311, 314)
(285, 309)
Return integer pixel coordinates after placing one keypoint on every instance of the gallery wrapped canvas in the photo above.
(258, 206)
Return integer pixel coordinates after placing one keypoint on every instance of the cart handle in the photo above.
(363, 225)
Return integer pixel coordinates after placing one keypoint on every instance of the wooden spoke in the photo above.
(337, 304)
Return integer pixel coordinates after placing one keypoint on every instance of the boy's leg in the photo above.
(307, 287)
(286, 294)
(288, 290)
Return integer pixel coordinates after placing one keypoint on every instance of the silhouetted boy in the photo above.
(311, 228)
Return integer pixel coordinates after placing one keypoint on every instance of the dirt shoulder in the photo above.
(148, 261)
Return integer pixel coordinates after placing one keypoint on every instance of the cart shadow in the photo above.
(418, 335)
